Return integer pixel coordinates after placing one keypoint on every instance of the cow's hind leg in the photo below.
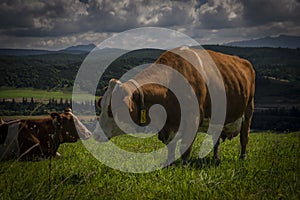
(245, 129)
(189, 138)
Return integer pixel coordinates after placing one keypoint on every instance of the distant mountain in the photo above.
(284, 41)
(23, 52)
(78, 49)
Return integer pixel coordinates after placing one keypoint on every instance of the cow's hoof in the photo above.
(167, 164)
(185, 163)
(217, 161)
(39, 159)
(243, 157)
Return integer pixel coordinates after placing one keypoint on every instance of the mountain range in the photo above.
(78, 49)
(283, 41)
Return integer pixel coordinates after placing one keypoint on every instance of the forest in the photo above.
(277, 80)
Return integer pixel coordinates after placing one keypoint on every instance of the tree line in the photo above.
(275, 119)
(30, 106)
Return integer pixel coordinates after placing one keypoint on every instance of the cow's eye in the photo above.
(99, 102)
(109, 111)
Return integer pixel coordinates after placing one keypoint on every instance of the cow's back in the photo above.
(237, 73)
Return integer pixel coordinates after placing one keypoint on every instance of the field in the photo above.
(9, 93)
(271, 171)
(38, 95)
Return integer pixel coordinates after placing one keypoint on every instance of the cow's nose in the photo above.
(86, 135)
(99, 134)
(99, 138)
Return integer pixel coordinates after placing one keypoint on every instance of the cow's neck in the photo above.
(152, 93)
(55, 138)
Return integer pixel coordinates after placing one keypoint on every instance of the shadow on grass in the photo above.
(197, 163)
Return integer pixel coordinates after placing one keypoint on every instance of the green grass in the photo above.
(10, 93)
(271, 171)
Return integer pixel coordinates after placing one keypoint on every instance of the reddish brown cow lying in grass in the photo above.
(239, 81)
(40, 138)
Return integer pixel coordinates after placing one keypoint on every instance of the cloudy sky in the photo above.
(56, 24)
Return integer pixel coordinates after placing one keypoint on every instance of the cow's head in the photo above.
(69, 127)
(106, 119)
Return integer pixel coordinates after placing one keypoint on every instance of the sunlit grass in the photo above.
(271, 171)
(40, 95)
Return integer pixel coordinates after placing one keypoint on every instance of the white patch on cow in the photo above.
(197, 56)
(10, 147)
(83, 132)
(107, 124)
(184, 48)
(118, 82)
(203, 73)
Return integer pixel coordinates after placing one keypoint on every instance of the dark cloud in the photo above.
(54, 22)
(39, 18)
(218, 14)
(257, 12)
(57, 18)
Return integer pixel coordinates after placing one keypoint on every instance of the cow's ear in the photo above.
(99, 102)
(105, 88)
(112, 83)
(55, 116)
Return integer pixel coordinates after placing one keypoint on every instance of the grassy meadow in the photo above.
(271, 171)
(9, 93)
(38, 94)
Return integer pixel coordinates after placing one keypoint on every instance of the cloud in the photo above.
(258, 12)
(41, 23)
(40, 18)
(57, 18)
(217, 14)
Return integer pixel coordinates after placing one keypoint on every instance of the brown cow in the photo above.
(39, 138)
(239, 81)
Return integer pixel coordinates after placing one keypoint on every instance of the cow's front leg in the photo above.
(216, 149)
(171, 153)
(186, 148)
(185, 153)
(166, 137)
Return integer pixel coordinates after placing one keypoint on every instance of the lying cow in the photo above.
(239, 81)
(29, 139)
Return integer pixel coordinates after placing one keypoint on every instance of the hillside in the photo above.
(281, 63)
(40, 71)
(277, 69)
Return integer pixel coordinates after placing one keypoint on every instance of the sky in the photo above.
(56, 24)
